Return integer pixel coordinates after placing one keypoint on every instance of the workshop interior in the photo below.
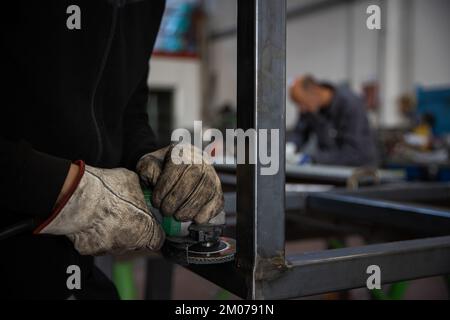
(403, 75)
(348, 197)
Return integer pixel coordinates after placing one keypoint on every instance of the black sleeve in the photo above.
(30, 181)
(351, 149)
(301, 132)
(139, 138)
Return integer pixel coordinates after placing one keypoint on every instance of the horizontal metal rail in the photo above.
(334, 270)
(343, 269)
(422, 220)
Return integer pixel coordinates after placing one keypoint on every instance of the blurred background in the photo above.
(401, 72)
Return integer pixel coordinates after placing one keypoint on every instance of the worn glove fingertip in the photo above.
(149, 169)
(210, 210)
(183, 217)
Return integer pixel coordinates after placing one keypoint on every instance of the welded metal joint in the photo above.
(271, 268)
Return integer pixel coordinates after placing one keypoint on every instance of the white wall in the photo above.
(363, 54)
(222, 15)
(183, 77)
(223, 58)
(431, 45)
(335, 44)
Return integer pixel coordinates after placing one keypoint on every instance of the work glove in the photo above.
(296, 158)
(105, 213)
(185, 184)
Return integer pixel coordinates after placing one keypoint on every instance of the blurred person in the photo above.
(407, 107)
(336, 118)
(421, 136)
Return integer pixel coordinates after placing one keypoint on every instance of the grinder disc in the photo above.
(222, 252)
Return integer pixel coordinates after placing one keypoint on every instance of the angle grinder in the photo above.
(190, 243)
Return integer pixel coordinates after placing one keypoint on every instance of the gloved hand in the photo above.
(105, 212)
(188, 191)
(296, 158)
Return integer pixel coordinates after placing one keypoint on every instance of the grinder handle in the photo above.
(173, 227)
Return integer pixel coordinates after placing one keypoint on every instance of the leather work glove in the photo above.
(188, 191)
(105, 212)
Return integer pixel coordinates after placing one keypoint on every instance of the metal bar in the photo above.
(410, 192)
(226, 276)
(342, 269)
(261, 106)
(246, 173)
(326, 174)
(420, 219)
(295, 201)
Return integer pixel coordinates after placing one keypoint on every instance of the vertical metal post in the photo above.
(261, 106)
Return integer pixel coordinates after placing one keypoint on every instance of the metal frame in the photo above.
(261, 270)
(261, 105)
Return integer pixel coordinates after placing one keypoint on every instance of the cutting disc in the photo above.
(223, 252)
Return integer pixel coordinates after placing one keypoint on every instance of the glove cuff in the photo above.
(61, 204)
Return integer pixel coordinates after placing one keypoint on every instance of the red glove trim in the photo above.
(57, 209)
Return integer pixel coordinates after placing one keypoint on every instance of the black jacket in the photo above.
(68, 95)
(342, 129)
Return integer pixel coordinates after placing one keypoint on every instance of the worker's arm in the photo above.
(301, 132)
(139, 138)
(30, 181)
(101, 211)
(352, 146)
